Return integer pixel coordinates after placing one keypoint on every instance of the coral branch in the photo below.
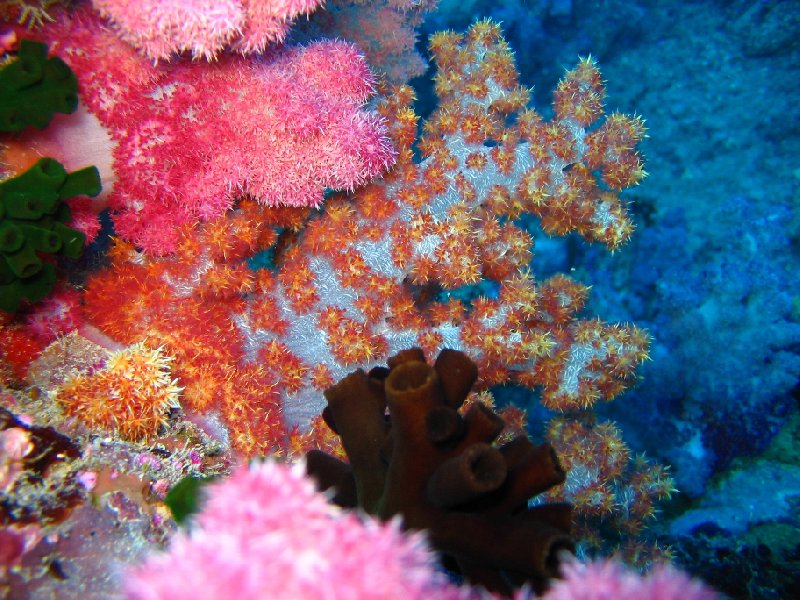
(355, 285)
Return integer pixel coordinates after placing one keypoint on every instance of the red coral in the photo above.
(18, 349)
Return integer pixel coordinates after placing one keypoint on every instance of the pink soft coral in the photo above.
(192, 137)
(610, 580)
(265, 533)
(161, 28)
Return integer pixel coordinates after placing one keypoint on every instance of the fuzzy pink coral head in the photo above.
(610, 580)
(357, 150)
(160, 28)
(268, 21)
(266, 533)
(339, 68)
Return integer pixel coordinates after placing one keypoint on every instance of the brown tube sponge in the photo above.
(440, 469)
(476, 471)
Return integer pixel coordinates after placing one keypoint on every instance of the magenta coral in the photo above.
(265, 533)
(610, 580)
(192, 137)
(204, 28)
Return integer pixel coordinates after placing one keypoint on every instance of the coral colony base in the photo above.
(176, 357)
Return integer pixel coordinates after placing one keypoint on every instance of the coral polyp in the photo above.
(131, 395)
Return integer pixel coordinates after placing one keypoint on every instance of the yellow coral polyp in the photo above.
(131, 396)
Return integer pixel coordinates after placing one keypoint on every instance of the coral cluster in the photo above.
(411, 453)
(354, 286)
(161, 29)
(187, 302)
(192, 137)
(357, 283)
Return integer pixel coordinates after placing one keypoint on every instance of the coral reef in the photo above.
(411, 453)
(353, 287)
(349, 286)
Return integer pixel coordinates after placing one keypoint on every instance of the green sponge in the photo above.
(33, 221)
(33, 87)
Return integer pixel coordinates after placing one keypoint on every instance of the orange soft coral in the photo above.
(131, 395)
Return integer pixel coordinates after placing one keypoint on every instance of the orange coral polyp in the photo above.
(476, 160)
(504, 158)
(444, 46)
(484, 32)
(529, 125)
(303, 300)
(499, 64)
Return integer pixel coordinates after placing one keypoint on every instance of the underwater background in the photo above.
(710, 272)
